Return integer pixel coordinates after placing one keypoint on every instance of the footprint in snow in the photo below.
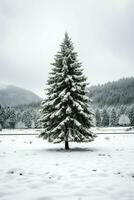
(101, 154)
(10, 172)
(107, 138)
(15, 171)
(119, 173)
(57, 164)
(94, 170)
(131, 175)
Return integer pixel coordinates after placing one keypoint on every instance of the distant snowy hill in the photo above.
(11, 95)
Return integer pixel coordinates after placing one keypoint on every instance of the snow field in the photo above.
(33, 169)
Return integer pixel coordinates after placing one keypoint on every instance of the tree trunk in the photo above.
(66, 145)
(66, 138)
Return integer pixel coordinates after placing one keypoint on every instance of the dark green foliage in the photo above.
(2, 116)
(12, 118)
(27, 119)
(98, 118)
(131, 115)
(105, 118)
(122, 110)
(115, 93)
(65, 112)
(113, 118)
(114, 115)
(7, 117)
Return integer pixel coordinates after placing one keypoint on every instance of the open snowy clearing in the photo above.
(32, 169)
(97, 130)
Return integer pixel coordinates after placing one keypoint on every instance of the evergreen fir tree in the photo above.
(2, 116)
(12, 118)
(122, 110)
(105, 118)
(37, 121)
(131, 115)
(27, 119)
(18, 116)
(65, 111)
(98, 118)
(113, 118)
(7, 116)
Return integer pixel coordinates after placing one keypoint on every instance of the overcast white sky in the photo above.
(31, 31)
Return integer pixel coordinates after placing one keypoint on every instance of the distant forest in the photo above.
(21, 116)
(112, 105)
(113, 94)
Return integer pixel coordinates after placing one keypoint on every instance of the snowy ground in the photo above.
(32, 169)
(111, 130)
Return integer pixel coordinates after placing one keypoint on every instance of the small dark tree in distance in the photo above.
(98, 118)
(131, 115)
(105, 118)
(113, 118)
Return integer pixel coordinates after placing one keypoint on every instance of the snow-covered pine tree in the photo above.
(113, 118)
(122, 110)
(27, 118)
(12, 118)
(2, 116)
(98, 118)
(65, 111)
(131, 115)
(105, 118)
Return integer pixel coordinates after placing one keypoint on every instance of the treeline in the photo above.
(115, 93)
(119, 116)
(113, 105)
(23, 116)
(28, 116)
